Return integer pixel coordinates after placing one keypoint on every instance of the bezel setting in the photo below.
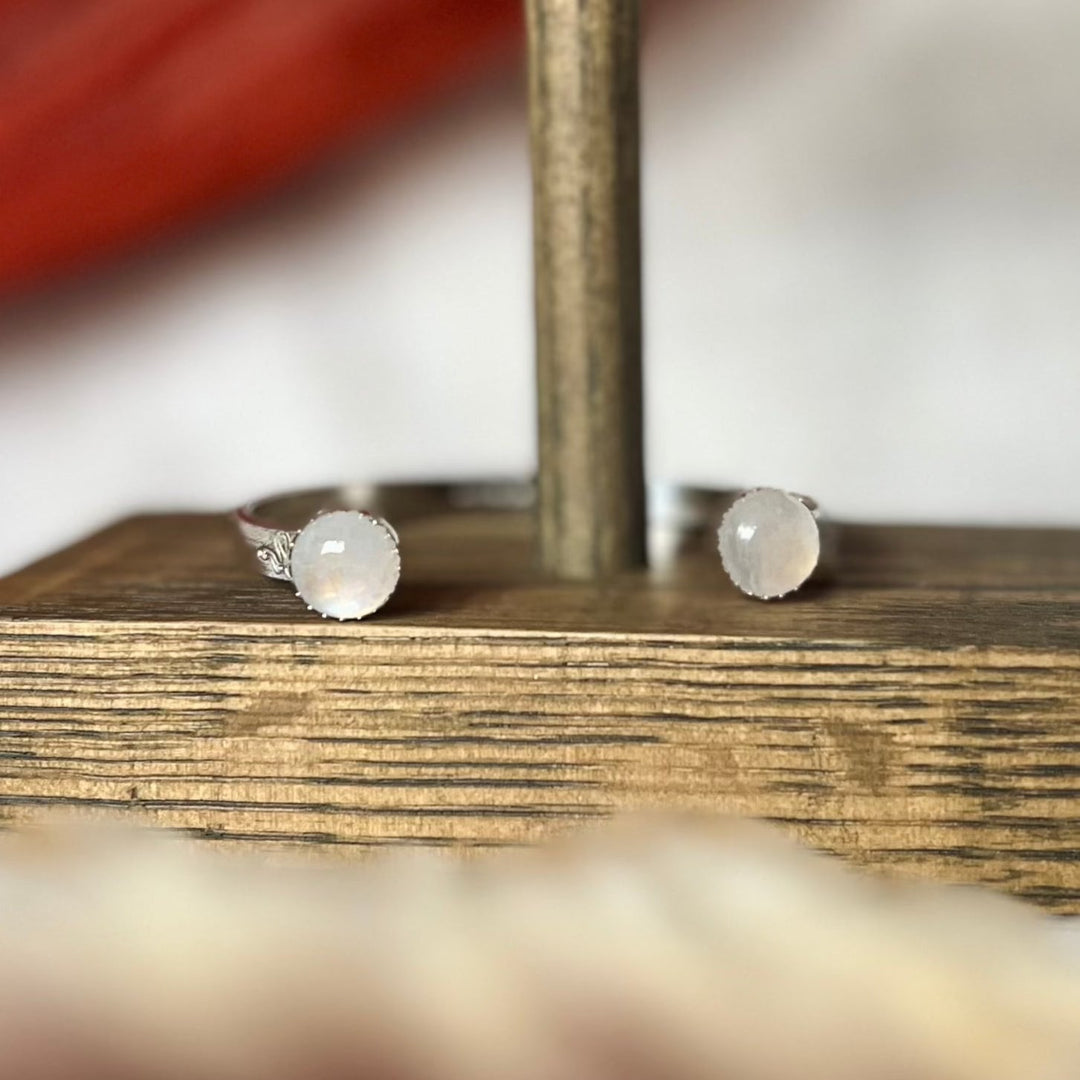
(345, 564)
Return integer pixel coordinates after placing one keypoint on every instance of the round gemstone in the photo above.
(345, 564)
(769, 543)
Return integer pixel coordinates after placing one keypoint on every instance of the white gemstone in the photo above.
(345, 564)
(769, 543)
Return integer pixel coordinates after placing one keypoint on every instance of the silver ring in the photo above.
(337, 548)
(770, 542)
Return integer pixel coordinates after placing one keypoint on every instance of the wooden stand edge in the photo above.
(921, 714)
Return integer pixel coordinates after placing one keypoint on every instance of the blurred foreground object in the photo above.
(121, 121)
(651, 949)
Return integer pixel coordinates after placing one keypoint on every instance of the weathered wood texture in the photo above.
(583, 103)
(922, 713)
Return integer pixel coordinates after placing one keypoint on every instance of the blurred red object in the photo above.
(121, 120)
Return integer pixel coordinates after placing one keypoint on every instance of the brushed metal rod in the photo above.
(584, 118)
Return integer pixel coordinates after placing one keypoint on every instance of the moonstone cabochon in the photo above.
(345, 564)
(769, 543)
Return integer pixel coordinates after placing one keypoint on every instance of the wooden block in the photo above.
(922, 713)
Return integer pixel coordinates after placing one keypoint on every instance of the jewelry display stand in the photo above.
(920, 712)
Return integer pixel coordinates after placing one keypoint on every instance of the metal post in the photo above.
(583, 89)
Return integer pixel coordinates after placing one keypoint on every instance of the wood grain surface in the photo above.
(921, 713)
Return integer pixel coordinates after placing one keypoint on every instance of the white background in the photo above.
(863, 282)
